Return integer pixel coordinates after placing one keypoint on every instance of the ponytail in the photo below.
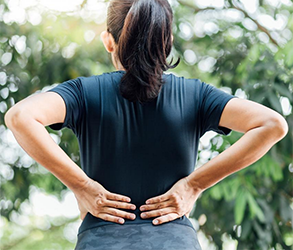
(144, 40)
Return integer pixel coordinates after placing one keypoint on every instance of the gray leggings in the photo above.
(139, 237)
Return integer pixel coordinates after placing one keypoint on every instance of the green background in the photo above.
(229, 46)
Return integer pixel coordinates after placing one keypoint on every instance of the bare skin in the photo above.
(262, 128)
(95, 199)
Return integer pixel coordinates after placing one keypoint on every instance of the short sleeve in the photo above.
(212, 104)
(72, 93)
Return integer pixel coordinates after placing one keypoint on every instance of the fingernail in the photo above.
(132, 216)
(121, 221)
(147, 202)
(142, 209)
(155, 221)
(133, 207)
(143, 215)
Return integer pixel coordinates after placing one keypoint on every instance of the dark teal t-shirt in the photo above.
(138, 150)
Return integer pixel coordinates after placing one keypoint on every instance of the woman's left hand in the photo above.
(175, 203)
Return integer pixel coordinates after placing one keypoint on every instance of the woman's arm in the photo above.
(262, 126)
(27, 120)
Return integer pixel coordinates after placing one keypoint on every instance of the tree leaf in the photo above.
(283, 91)
(246, 229)
(254, 208)
(240, 204)
(289, 58)
(215, 192)
(275, 102)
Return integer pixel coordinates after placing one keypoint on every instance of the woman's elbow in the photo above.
(14, 117)
(278, 126)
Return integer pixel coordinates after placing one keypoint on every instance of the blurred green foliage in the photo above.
(226, 46)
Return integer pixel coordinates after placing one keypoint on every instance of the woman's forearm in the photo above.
(33, 137)
(248, 149)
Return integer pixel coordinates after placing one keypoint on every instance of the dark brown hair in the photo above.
(142, 30)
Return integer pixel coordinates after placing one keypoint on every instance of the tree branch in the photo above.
(191, 6)
(83, 3)
(260, 27)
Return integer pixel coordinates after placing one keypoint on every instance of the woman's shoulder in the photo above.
(181, 81)
(99, 78)
(171, 79)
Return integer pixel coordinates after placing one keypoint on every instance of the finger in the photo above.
(119, 213)
(155, 206)
(156, 213)
(109, 217)
(117, 197)
(123, 205)
(165, 218)
(157, 199)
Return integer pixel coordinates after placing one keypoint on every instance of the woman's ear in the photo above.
(108, 41)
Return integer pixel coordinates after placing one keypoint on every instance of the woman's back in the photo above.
(139, 150)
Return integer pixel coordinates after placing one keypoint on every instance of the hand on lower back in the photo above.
(101, 203)
(175, 203)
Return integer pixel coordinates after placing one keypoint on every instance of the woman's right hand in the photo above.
(101, 203)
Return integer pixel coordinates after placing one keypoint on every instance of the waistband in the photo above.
(91, 221)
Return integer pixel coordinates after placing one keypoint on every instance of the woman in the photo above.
(138, 131)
